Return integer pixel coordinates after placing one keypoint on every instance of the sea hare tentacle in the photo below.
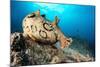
(37, 13)
(55, 21)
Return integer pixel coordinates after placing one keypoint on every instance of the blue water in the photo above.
(75, 20)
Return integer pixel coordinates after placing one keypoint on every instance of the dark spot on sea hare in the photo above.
(31, 16)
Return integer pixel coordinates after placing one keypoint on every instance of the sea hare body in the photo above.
(41, 30)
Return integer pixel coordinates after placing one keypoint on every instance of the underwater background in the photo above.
(76, 21)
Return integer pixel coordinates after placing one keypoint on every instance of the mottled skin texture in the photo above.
(41, 30)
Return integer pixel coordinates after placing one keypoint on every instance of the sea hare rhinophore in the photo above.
(39, 29)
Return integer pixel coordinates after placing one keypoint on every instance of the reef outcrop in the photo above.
(25, 51)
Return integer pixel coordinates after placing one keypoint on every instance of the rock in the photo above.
(25, 51)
